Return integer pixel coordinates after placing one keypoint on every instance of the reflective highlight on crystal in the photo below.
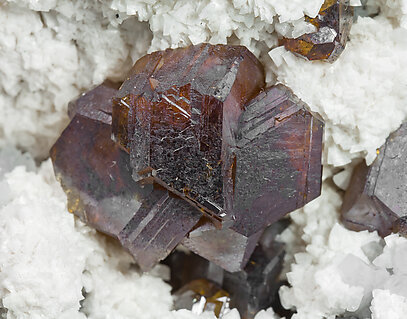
(333, 24)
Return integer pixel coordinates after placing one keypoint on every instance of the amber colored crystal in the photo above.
(177, 115)
(277, 159)
(96, 176)
(191, 297)
(375, 199)
(333, 24)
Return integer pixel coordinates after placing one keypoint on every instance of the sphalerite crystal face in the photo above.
(333, 24)
(251, 289)
(177, 117)
(375, 199)
(202, 154)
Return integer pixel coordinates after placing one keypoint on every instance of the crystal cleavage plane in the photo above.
(201, 153)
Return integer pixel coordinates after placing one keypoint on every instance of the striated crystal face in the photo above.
(250, 289)
(96, 176)
(333, 24)
(177, 116)
(375, 199)
(277, 159)
(191, 148)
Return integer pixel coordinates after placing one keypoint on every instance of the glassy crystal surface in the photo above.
(375, 199)
(95, 104)
(177, 115)
(158, 226)
(277, 159)
(224, 247)
(96, 176)
(202, 295)
(333, 24)
(251, 289)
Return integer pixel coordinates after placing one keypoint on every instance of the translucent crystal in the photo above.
(333, 24)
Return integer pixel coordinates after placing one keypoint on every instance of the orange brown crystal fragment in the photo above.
(177, 115)
(204, 295)
(333, 24)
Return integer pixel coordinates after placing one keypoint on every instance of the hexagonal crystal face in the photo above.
(333, 24)
(96, 176)
(177, 116)
(194, 132)
(277, 159)
(375, 199)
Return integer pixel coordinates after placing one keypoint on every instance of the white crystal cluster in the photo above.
(51, 50)
(340, 270)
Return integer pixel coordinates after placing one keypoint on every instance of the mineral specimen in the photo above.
(177, 116)
(96, 176)
(277, 159)
(375, 199)
(333, 24)
(201, 153)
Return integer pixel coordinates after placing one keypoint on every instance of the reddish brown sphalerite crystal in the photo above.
(277, 159)
(375, 199)
(196, 132)
(251, 289)
(177, 116)
(333, 24)
(96, 176)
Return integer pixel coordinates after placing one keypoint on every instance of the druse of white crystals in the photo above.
(49, 57)
(340, 270)
(48, 262)
(362, 96)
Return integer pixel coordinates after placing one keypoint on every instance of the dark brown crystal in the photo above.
(333, 24)
(224, 247)
(375, 199)
(177, 116)
(251, 289)
(277, 159)
(203, 154)
(96, 176)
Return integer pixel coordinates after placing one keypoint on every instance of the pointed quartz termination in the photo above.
(277, 159)
(95, 173)
(176, 115)
(376, 197)
(224, 247)
(333, 24)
